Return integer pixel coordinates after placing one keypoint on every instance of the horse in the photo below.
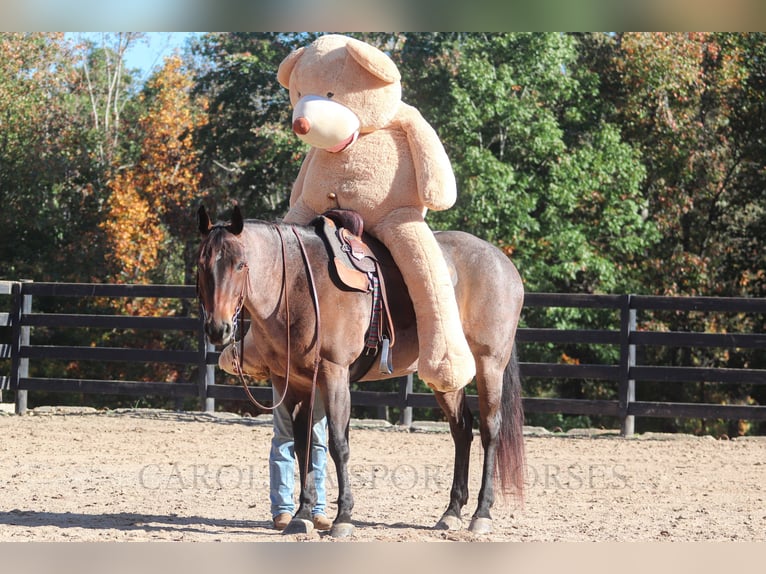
(275, 270)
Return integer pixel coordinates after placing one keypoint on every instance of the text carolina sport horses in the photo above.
(262, 266)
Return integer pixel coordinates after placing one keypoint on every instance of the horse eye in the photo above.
(330, 95)
(241, 266)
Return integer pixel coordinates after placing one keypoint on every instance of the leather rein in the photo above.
(239, 323)
(238, 349)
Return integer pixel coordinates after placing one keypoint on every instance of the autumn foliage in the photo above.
(600, 162)
(149, 203)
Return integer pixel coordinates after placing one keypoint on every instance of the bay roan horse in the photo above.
(261, 265)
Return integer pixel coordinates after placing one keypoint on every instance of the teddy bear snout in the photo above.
(301, 126)
(324, 123)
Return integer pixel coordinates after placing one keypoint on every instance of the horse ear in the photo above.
(204, 220)
(237, 223)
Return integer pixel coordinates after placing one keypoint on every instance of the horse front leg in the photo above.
(338, 409)
(460, 419)
(301, 522)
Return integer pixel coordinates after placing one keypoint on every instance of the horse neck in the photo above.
(263, 253)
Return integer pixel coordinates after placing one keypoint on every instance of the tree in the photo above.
(249, 152)
(149, 215)
(692, 103)
(108, 87)
(538, 171)
(674, 95)
(40, 202)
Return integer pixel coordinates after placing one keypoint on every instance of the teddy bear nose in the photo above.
(301, 126)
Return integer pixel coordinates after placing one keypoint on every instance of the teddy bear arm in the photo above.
(435, 179)
(299, 182)
(299, 214)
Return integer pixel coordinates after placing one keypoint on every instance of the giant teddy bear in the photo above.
(372, 153)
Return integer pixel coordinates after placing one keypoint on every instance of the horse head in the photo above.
(222, 275)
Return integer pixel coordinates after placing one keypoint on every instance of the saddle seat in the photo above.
(355, 260)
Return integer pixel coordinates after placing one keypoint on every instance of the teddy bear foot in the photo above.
(226, 363)
(447, 375)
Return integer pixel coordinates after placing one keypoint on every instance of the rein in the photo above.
(238, 351)
(239, 323)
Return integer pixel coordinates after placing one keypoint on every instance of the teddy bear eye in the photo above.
(330, 95)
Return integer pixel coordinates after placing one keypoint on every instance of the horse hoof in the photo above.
(481, 525)
(342, 530)
(299, 526)
(449, 522)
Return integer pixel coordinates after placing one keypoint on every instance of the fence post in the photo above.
(627, 386)
(6, 288)
(22, 305)
(405, 389)
(206, 372)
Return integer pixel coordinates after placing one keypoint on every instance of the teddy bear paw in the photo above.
(449, 373)
(227, 363)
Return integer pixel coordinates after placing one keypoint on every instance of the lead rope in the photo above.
(315, 298)
(239, 355)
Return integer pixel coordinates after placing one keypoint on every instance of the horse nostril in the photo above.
(218, 333)
(301, 126)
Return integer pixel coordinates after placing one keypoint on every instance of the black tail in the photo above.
(510, 463)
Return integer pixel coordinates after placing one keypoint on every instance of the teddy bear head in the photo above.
(339, 87)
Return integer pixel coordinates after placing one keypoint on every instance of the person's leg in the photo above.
(282, 463)
(319, 464)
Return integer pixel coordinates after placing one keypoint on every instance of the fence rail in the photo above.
(21, 320)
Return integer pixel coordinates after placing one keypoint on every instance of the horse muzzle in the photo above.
(219, 332)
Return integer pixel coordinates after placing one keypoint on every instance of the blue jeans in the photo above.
(282, 459)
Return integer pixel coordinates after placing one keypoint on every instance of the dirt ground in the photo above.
(144, 475)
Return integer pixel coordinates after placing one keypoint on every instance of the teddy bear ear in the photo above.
(286, 67)
(374, 61)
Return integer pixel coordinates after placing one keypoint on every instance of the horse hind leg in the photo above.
(501, 429)
(460, 419)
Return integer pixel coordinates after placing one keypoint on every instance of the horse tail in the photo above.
(510, 463)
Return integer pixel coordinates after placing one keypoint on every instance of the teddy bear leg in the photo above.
(250, 365)
(446, 362)
(299, 214)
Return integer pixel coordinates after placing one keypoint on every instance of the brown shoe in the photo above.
(282, 520)
(321, 522)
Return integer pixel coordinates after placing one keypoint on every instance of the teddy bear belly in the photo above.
(372, 177)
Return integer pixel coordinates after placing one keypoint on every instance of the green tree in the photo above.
(52, 175)
(249, 153)
(743, 216)
(693, 105)
(537, 173)
(674, 95)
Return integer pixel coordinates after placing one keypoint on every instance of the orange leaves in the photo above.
(168, 157)
(134, 236)
(150, 200)
(567, 360)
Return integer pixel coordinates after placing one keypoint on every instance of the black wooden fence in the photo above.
(17, 349)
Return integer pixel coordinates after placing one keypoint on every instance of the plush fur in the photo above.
(377, 155)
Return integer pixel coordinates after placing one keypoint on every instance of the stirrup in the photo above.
(386, 365)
